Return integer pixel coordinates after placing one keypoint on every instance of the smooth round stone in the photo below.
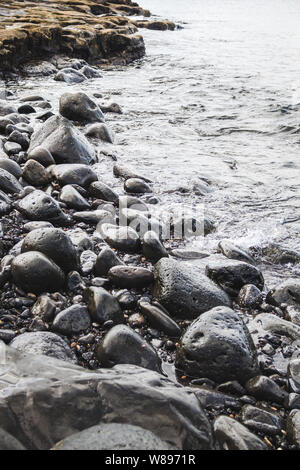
(35, 174)
(20, 138)
(26, 109)
(136, 185)
(12, 148)
(233, 252)
(152, 247)
(232, 435)
(122, 238)
(120, 171)
(70, 76)
(79, 107)
(29, 98)
(288, 292)
(106, 259)
(158, 319)
(42, 156)
(72, 320)
(81, 240)
(250, 296)
(9, 183)
(73, 199)
(131, 202)
(44, 308)
(29, 226)
(126, 299)
(54, 243)
(264, 388)
(69, 173)
(94, 217)
(100, 190)
(34, 272)
(130, 276)
(122, 345)
(103, 306)
(40, 206)
(261, 421)
(8, 442)
(100, 131)
(12, 167)
(44, 343)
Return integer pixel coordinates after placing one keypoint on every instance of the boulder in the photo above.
(288, 292)
(79, 107)
(232, 435)
(79, 174)
(38, 205)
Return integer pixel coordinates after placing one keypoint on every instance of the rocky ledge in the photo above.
(94, 30)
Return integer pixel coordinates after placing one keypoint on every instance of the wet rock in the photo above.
(29, 226)
(213, 400)
(294, 375)
(131, 202)
(12, 167)
(293, 428)
(87, 261)
(158, 318)
(44, 343)
(188, 254)
(233, 252)
(63, 140)
(9, 183)
(122, 238)
(111, 108)
(6, 108)
(80, 174)
(136, 185)
(288, 292)
(273, 324)
(113, 436)
(122, 345)
(233, 275)
(218, 346)
(184, 291)
(75, 282)
(130, 276)
(44, 308)
(280, 255)
(250, 296)
(90, 72)
(8, 442)
(100, 131)
(264, 388)
(36, 273)
(35, 174)
(100, 190)
(121, 171)
(73, 199)
(94, 217)
(7, 336)
(106, 259)
(72, 320)
(103, 306)
(147, 400)
(70, 76)
(141, 222)
(79, 107)
(232, 435)
(232, 387)
(42, 156)
(55, 244)
(261, 421)
(81, 240)
(39, 206)
(20, 138)
(26, 109)
(12, 148)
(152, 247)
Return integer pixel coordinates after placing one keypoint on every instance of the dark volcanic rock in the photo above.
(39, 206)
(79, 107)
(36, 273)
(100, 131)
(232, 435)
(264, 388)
(79, 174)
(233, 275)
(8, 442)
(152, 247)
(54, 243)
(73, 199)
(288, 292)
(233, 252)
(42, 156)
(136, 185)
(11, 166)
(159, 319)
(63, 140)
(100, 190)
(9, 183)
(184, 291)
(130, 276)
(122, 238)
(106, 259)
(122, 345)
(35, 174)
(218, 346)
(260, 420)
(250, 296)
(103, 306)
(72, 320)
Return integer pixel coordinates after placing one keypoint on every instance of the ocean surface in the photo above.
(219, 102)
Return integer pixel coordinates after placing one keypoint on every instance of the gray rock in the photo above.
(213, 400)
(94, 217)
(90, 72)
(12, 167)
(103, 306)
(79, 107)
(6, 108)
(106, 259)
(232, 435)
(273, 324)
(136, 185)
(9, 183)
(36, 273)
(264, 388)
(20, 138)
(29, 226)
(188, 254)
(40, 206)
(87, 261)
(63, 140)
(288, 292)
(44, 343)
(261, 421)
(55, 244)
(152, 247)
(42, 156)
(80, 174)
(184, 291)
(73, 199)
(12, 148)
(111, 108)
(280, 255)
(233, 275)
(113, 436)
(35, 174)
(8, 442)
(70, 76)
(7, 335)
(233, 252)
(159, 319)
(81, 240)
(293, 428)
(132, 202)
(122, 345)
(218, 346)
(130, 276)
(294, 375)
(100, 131)
(121, 171)
(250, 296)
(52, 400)
(72, 320)
(44, 308)
(100, 190)
(122, 238)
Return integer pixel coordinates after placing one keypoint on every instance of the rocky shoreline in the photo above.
(113, 335)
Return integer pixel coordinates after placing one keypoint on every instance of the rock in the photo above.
(70, 76)
(188, 254)
(113, 436)
(250, 296)
(7, 336)
(73, 199)
(103, 306)
(55, 244)
(20, 138)
(232, 387)
(94, 217)
(42, 156)
(293, 428)
(280, 255)
(273, 324)
(12, 167)
(218, 346)
(29, 226)
(122, 345)
(152, 247)
(26, 109)
(100, 131)
(35, 174)
(141, 222)
(29, 98)
(87, 261)
(79, 107)
(12, 148)
(106, 259)
(136, 185)
(131, 202)
(9, 183)
(233, 252)
(100, 190)
(90, 72)
(75, 282)
(39, 206)
(8, 442)
(44, 308)
(264, 388)
(148, 399)
(130, 276)
(79, 174)
(158, 319)
(288, 292)
(63, 140)
(294, 375)
(233, 275)
(213, 400)
(81, 240)
(261, 421)
(122, 238)
(6, 108)
(121, 171)
(44, 343)
(72, 320)
(36, 273)
(232, 435)
(184, 291)
(5, 203)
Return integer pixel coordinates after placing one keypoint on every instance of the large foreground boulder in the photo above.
(184, 290)
(44, 400)
(65, 143)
